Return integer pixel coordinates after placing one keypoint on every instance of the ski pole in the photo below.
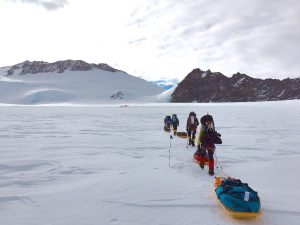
(187, 141)
(170, 152)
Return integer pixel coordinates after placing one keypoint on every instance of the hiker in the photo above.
(168, 122)
(191, 127)
(207, 139)
(175, 123)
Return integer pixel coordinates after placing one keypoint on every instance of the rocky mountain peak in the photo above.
(28, 67)
(207, 86)
(198, 73)
(239, 75)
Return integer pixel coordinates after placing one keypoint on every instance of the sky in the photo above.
(156, 39)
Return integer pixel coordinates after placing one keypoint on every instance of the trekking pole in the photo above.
(187, 141)
(171, 137)
(187, 138)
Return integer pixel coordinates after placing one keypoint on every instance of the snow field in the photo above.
(110, 165)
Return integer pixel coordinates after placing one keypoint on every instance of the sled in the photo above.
(181, 134)
(232, 213)
(167, 129)
(197, 159)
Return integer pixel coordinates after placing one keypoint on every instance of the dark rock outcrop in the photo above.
(207, 86)
(118, 95)
(34, 67)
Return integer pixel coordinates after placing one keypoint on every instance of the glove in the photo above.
(218, 135)
(218, 140)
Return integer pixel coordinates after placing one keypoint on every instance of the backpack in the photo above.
(174, 119)
(168, 119)
(193, 122)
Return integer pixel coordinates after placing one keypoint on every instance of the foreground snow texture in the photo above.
(67, 165)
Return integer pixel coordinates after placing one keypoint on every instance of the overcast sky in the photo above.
(156, 39)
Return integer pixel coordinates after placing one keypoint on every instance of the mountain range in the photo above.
(72, 81)
(75, 81)
(207, 86)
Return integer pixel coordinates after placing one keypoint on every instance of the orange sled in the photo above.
(181, 134)
(235, 214)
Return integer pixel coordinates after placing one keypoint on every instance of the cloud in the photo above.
(47, 4)
(261, 38)
(137, 41)
(157, 38)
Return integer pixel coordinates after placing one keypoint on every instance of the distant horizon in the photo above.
(172, 80)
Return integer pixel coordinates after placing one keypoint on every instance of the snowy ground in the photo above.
(67, 165)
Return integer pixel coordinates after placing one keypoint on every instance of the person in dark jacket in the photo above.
(168, 122)
(207, 139)
(191, 127)
(175, 123)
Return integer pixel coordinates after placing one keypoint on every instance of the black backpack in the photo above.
(168, 119)
(174, 119)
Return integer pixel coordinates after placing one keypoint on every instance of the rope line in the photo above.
(219, 166)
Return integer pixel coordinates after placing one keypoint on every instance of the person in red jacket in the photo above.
(207, 139)
(191, 127)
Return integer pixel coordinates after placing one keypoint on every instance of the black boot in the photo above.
(211, 172)
(201, 166)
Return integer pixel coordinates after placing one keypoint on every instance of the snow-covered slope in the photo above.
(166, 84)
(72, 82)
(109, 165)
(166, 95)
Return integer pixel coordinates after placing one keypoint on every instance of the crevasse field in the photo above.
(91, 165)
